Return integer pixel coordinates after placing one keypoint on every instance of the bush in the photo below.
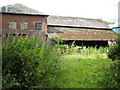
(114, 51)
(115, 69)
(111, 75)
(30, 64)
(114, 54)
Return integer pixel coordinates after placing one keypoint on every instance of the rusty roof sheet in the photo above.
(19, 8)
(76, 22)
(82, 33)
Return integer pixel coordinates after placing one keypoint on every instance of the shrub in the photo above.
(114, 51)
(111, 75)
(114, 54)
(115, 69)
(55, 40)
(30, 64)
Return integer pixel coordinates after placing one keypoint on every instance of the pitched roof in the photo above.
(19, 8)
(70, 33)
(76, 22)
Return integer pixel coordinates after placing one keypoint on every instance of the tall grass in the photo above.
(88, 67)
(83, 50)
(83, 71)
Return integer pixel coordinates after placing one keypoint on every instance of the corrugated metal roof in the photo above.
(66, 33)
(19, 8)
(76, 22)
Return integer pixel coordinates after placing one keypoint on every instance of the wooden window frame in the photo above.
(38, 27)
(22, 26)
(12, 25)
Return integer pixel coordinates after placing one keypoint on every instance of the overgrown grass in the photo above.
(88, 68)
(29, 63)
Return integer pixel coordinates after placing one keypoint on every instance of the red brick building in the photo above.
(23, 22)
(22, 19)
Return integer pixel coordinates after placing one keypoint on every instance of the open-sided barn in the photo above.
(80, 29)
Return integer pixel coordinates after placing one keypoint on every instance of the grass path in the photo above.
(83, 71)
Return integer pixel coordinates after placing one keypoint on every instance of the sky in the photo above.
(104, 9)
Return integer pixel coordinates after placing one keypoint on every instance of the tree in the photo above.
(107, 21)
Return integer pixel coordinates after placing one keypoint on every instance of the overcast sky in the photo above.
(105, 9)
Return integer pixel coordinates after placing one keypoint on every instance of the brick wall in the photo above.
(30, 19)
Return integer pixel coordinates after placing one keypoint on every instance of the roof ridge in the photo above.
(75, 17)
(20, 8)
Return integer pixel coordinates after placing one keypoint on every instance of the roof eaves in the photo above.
(23, 14)
(101, 28)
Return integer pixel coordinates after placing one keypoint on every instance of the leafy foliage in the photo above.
(29, 63)
(114, 54)
(114, 51)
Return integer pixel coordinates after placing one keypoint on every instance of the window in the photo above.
(38, 26)
(23, 25)
(12, 25)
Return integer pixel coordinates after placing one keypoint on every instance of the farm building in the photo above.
(22, 19)
(82, 30)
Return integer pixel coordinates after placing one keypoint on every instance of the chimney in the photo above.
(6, 9)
